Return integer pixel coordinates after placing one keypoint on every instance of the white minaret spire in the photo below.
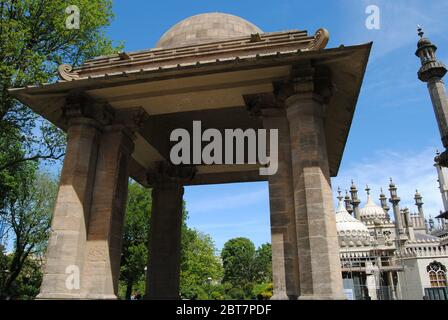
(431, 72)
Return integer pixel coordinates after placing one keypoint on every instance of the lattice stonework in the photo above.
(437, 274)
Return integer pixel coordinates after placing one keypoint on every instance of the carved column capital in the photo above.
(166, 175)
(81, 106)
(306, 81)
(256, 103)
(133, 118)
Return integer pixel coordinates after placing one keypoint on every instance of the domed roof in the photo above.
(371, 211)
(351, 231)
(206, 27)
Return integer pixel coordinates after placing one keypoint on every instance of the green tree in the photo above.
(263, 263)
(34, 40)
(238, 261)
(201, 269)
(3, 268)
(247, 272)
(27, 284)
(28, 216)
(263, 291)
(135, 237)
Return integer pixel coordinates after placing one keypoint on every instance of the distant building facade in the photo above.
(387, 259)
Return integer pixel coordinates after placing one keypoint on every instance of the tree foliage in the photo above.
(247, 269)
(263, 263)
(34, 40)
(27, 215)
(238, 261)
(200, 267)
(135, 237)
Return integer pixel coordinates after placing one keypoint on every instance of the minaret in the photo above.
(432, 71)
(431, 224)
(409, 224)
(419, 203)
(395, 200)
(339, 197)
(348, 205)
(384, 205)
(355, 201)
(442, 173)
(367, 189)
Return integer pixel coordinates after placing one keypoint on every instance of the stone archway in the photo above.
(118, 112)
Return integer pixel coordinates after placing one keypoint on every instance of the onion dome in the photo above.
(371, 212)
(351, 232)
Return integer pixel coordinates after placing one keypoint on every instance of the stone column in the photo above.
(103, 251)
(165, 234)
(392, 285)
(317, 241)
(65, 252)
(285, 267)
(395, 200)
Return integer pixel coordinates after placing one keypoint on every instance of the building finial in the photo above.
(367, 189)
(353, 186)
(347, 200)
(420, 31)
(392, 183)
(340, 197)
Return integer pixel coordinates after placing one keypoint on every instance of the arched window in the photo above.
(437, 274)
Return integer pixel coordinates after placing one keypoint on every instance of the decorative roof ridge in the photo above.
(267, 42)
(235, 39)
(247, 38)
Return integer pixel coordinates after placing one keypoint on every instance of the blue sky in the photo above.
(394, 132)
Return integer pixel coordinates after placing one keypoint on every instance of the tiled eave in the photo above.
(249, 60)
(227, 48)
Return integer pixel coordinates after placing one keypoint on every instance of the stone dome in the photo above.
(206, 27)
(372, 211)
(351, 231)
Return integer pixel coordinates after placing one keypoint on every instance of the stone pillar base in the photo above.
(101, 297)
(280, 296)
(57, 296)
(321, 297)
(162, 298)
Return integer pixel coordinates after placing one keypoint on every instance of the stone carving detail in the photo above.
(321, 38)
(80, 105)
(166, 174)
(65, 72)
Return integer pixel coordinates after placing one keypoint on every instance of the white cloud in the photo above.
(399, 20)
(409, 171)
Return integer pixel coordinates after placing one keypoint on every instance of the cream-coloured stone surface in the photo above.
(283, 232)
(317, 242)
(207, 27)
